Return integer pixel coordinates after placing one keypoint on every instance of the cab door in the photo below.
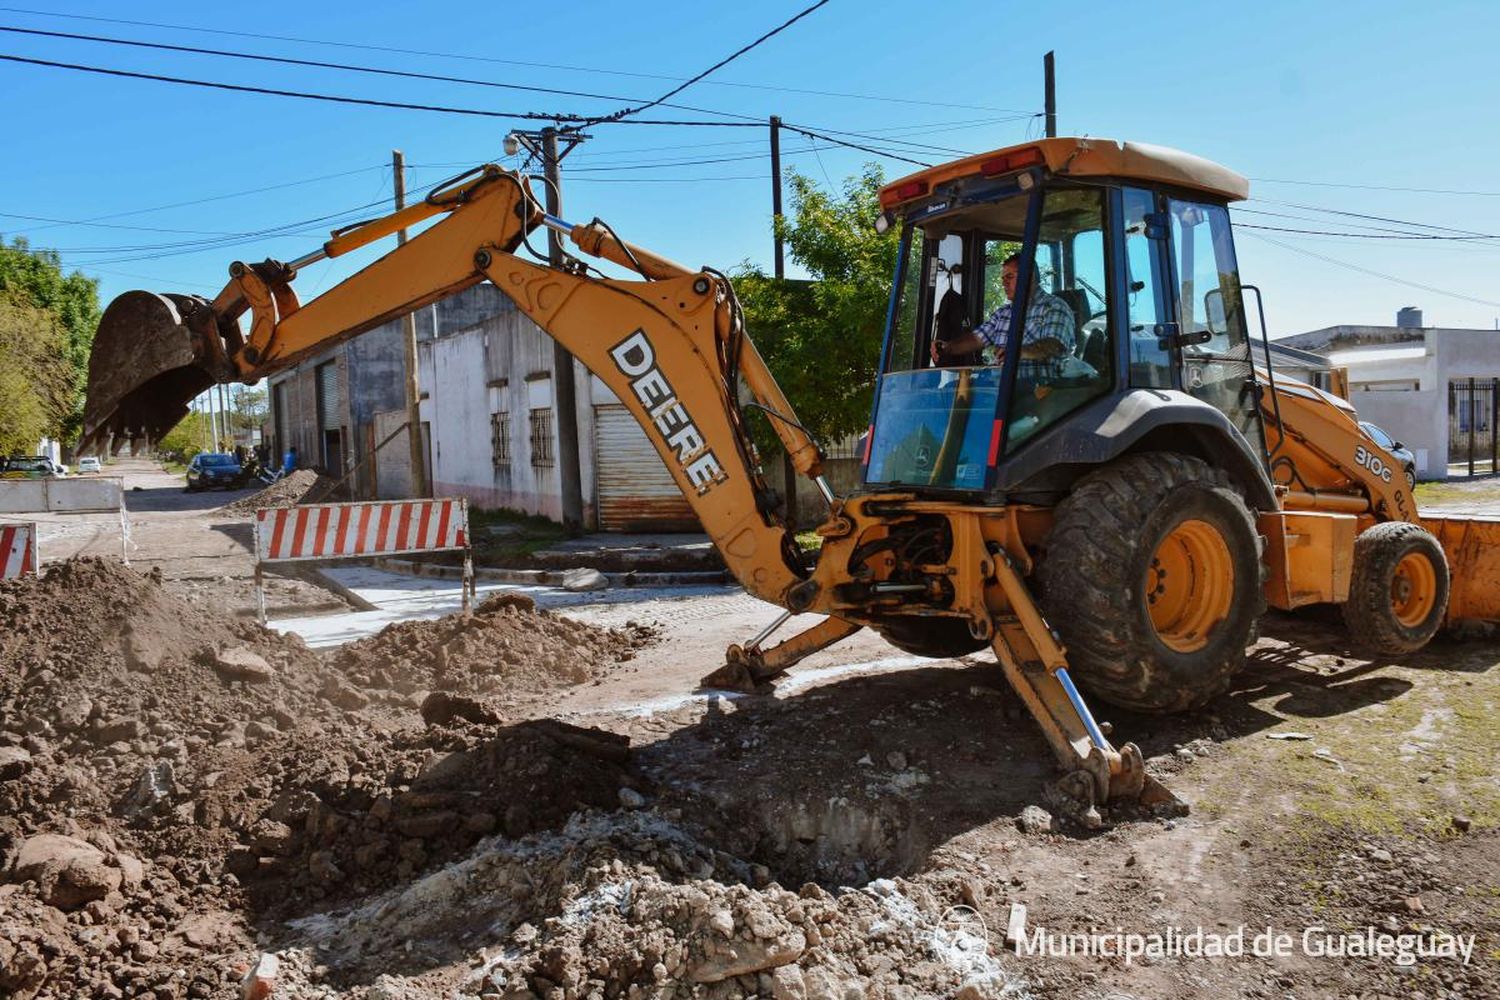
(1208, 335)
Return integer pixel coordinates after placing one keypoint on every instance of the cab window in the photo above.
(1065, 343)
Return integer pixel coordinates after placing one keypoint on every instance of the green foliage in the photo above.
(186, 439)
(821, 338)
(35, 277)
(248, 407)
(36, 379)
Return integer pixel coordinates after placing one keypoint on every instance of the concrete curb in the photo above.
(550, 577)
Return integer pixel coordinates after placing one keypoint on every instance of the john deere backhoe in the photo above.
(1114, 504)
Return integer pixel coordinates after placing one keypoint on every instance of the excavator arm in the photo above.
(671, 346)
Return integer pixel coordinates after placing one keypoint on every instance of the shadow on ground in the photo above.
(158, 499)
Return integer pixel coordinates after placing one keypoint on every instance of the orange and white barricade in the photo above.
(362, 530)
(18, 550)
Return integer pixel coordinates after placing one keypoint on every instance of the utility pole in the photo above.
(544, 146)
(776, 193)
(563, 389)
(409, 341)
(226, 428)
(1049, 75)
(788, 472)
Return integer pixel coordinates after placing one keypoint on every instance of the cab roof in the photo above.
(1080, 157)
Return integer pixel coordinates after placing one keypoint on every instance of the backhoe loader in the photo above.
(1109, 508)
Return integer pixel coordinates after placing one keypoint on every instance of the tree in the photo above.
(248, 408)
(36, 376)
(186, 439)
(821, 338)
(35, 277)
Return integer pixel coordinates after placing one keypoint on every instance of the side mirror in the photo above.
(1213, 312)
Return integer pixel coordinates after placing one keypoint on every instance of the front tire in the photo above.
(1398, 593)
(1153, 578)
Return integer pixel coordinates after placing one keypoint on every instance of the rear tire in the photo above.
(1153, 578)
(1398, 594)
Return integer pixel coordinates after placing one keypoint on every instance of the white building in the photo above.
(488, 415)
(1433, 388)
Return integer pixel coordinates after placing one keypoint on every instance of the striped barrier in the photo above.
(18, 551)
(360, 530)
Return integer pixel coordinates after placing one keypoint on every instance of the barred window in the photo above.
(500, 440)
(541, 437)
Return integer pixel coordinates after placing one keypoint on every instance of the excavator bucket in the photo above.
(1472, 545)
(143, 371)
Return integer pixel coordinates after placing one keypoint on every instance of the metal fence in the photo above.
(1473, 410)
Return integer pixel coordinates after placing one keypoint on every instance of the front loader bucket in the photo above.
(1472, 545)
(143, 370)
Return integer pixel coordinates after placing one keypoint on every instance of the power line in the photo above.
(627, 112)
(1365, 270)
(507, 62)
(1377, 187)
(1367, 236)
(349, 67)
(216, 197)
(273, 92)
(1373, 218)
(840, 142)
(105, 225)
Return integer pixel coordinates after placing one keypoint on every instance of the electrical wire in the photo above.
(627, 112)
(866, 149)
(1372, 273)
(1373, 218)
(105, 225)
(1377, 187)
(302, 95)
(216, 197)
(496, 60)
(1366, 236)
(349, 67)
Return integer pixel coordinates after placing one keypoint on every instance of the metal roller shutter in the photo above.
(636, 493)
(328, 396)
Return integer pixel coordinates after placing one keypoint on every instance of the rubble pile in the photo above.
(632, 904)
(504, 652)
(174, 782)
(302, 486)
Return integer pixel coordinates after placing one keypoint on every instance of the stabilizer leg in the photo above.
(1035, 664)
(748, 667)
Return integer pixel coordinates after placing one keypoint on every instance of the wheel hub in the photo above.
(1189, 585)
(1413, 590)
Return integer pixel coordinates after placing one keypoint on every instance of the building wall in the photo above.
(490, 358)
(1399, 378)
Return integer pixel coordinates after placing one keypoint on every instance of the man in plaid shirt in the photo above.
(1050, 328)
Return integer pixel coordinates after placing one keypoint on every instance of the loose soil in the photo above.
(171, 779)
(301, 487)
(420, 816)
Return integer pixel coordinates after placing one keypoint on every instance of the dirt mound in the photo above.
(354, 822)
(301, 487)
(172, 778)
(503, 654)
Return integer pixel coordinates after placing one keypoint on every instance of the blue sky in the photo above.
(1322, 105)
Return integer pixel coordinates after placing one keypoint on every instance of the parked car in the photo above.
(30, 467)
(89, 463)
(210, 469)
(1399, 451)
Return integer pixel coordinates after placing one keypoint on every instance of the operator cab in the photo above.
(1124, 280)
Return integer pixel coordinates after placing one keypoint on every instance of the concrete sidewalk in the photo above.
(398, 597)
